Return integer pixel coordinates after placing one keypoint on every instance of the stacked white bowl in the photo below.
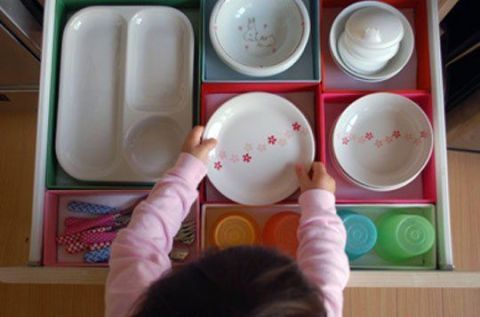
(382, 141)
(371, 41)
(371, 38)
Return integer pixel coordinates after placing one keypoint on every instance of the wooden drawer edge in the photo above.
(53, 275)
(415, 279)
(371, 279)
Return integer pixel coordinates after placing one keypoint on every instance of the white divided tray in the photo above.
(125, 96)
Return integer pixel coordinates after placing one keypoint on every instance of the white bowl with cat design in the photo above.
(259, 38)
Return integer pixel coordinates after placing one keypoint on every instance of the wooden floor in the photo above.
(17, 134)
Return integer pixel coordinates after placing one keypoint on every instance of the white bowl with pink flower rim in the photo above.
(382, 141)
(259, 38)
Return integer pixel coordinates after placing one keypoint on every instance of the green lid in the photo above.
(402, 236)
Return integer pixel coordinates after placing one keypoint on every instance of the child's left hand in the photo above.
(196, 146)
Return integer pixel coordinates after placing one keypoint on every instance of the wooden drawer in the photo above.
(444, 276)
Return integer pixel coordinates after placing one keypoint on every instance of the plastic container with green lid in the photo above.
(402, 236)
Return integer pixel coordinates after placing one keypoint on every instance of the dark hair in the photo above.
(241, 281)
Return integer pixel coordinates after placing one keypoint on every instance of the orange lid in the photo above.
(234, 229)
(280, 232)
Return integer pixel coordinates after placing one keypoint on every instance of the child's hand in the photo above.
(319, 180)
(196, 146)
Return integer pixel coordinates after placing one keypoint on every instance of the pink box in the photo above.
(305, 96)
(421, 190)
(415, 75)
(55, 212)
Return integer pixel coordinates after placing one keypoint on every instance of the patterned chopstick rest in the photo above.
(99, 245)
(186, 234)
(178, 254)
(97, 256)
(89, 237)
(81, 241)
(89, 208)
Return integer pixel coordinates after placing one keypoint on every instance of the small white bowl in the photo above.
(382, 141)
(383, 54)
(259, 38)
(358, 65)
(374, 28)
(394, 65)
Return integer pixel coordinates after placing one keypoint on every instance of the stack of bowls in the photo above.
(382, 141)
(371, 41)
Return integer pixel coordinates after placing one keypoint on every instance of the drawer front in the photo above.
(358, 279)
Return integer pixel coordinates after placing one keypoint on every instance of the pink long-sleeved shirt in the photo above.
(140, 251)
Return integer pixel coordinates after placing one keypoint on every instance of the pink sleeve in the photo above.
(140, 251)
(321, 255)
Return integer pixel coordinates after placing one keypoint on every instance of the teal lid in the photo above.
(361, 234)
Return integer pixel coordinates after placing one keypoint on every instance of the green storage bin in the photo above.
(56, 177)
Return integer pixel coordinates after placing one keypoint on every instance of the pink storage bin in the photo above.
(56, 211)
(305, 96)
(421, 190)
(414, 76)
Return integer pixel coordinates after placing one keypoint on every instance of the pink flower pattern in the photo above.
(272, 140)
(248, 148)
(247, 158)
(296, 126)
(262, 147)
(288, 134)
(388, 139)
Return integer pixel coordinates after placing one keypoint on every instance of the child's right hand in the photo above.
(319, 179)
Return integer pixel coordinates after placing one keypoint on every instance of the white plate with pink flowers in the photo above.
(382, 141)
(261, 137)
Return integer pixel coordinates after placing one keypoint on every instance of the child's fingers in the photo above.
(194, 136)
(206, 146)
(302, 175)
(318, 170)
(209, 144)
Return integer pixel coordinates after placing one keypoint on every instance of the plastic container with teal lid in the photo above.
(403, 236)
(361, 234)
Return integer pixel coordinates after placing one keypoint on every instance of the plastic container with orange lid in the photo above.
(235, 229)
(280, 231)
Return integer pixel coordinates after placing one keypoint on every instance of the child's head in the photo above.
(242, 281)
